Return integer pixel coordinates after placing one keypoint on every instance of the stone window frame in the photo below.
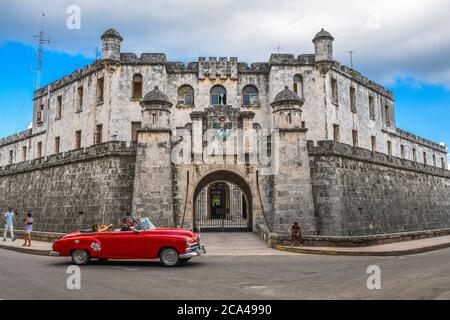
(298, 83)
(336, 133)
(387, 115)
(352, 97)
(355, 137)
(185, 93)
(247, 102)
(78, 137)
(100, 91)
(221, 98)
(40, 115)
(24, 153)
(373, 141)
(79, 100)
(57, 145)
(372, 114)
(59, 102)
(137, 85)
(334, 91)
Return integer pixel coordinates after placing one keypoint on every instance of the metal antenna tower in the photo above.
(351, 52)
(40, 52)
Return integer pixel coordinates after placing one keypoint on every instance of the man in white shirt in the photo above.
(9, 224)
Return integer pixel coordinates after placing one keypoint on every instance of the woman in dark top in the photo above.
(28, 226)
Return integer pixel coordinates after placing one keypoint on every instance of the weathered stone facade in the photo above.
(101, 146)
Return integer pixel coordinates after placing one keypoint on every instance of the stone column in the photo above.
(153, 190)
(249, 139)
(293, 198)
(197, 135)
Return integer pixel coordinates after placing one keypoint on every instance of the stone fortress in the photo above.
(103, 141)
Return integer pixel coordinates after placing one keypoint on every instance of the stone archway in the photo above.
(236, 215)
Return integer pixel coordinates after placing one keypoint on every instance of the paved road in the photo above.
(260, 276)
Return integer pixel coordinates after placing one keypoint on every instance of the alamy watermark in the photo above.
(374, 280)
(73, 282)
(73, 22)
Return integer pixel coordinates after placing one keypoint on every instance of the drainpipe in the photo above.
(47, 118)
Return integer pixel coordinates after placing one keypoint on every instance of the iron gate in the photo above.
(222, 207)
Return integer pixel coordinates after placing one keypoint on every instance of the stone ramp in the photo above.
(237, 244)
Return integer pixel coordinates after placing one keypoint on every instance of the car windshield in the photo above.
(146, 224)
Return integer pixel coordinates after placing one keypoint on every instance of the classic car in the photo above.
(172, 246)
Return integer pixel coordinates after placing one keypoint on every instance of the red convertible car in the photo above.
(145, 241)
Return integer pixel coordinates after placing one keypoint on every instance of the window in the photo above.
(40, 114)
(414, 154)
(57, 144)
(334, 91)
(98, 134)
(425, 158)
(402, 151)
(298, 85)
(59, 108)
(100, 90)
(137, 86)
(185, 96)
(24, 153)
(371, 108)
(39, 150)
(434, 160)
(135, 127)
(78, 139)
(389, 148)
(336, 133)
(443, 163)
(353, 99)
(250, 96)
(355, 138)
(79, 99)
(387, 115)
(373, 140)
(11, 156)
(218, 96)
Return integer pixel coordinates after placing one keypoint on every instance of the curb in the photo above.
(36, 252)
(363, 253)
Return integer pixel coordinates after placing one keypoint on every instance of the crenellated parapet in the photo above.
(222, 68)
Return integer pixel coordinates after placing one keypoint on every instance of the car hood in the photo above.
(175, 231)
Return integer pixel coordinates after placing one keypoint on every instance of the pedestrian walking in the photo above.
(9, 224)
(28, 226)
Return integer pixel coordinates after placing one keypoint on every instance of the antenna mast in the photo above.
(351, 52)
(40, 52)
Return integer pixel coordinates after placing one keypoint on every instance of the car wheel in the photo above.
(169, 257)
(80, 257)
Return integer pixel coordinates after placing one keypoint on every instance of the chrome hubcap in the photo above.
(170, 257)
(80, 256)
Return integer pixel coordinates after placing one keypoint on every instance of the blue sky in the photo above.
(405, 50)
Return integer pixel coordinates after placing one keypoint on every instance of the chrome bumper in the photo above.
(195, 253)
(54, 254)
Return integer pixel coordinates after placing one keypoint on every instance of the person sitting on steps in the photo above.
(296, 234)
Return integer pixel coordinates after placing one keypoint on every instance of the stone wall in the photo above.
(73, 190)
(358, 192)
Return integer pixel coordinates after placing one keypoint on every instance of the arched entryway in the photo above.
(223, 202)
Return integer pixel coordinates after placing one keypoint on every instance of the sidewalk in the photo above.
(390, 249)
(37, 247)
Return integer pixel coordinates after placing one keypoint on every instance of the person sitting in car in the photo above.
(128, 225)
(102, 228)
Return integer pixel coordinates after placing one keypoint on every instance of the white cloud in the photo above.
(391, 38)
